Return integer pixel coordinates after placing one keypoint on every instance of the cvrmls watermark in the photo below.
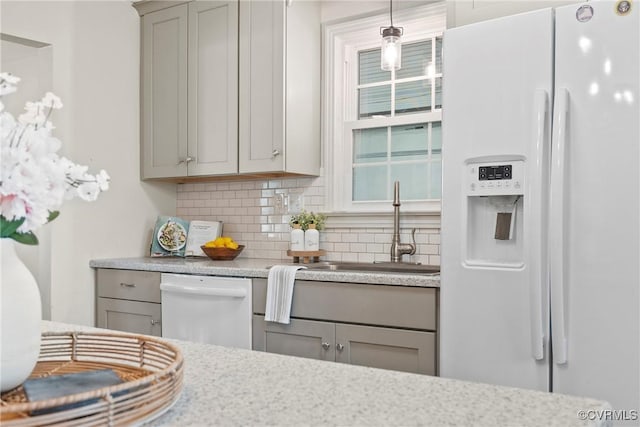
(608, 415)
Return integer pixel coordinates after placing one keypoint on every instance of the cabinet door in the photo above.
(386, 348)
(213, 88)
(261, 141)
(129, 316)
(164, 93)
(302, 338)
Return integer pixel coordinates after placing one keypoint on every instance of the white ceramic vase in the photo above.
(20, 318)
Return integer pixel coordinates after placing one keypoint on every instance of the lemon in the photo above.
(222, 242)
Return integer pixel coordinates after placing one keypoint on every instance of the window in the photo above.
(383, 126)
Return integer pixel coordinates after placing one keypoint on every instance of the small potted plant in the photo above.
(308, 223)
(304, 219)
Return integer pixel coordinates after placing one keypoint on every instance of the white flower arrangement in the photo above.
(34, 180)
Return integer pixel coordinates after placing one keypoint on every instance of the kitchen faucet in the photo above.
(398, 249)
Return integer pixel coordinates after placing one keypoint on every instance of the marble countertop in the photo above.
(253, 267)
(226, 386)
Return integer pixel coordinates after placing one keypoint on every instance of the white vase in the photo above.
(20, 318)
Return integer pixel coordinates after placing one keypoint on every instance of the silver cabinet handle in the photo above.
(326, 345)
(275, 153)
(155, 322)
(185, 160)
(340, 347)
(127, 285)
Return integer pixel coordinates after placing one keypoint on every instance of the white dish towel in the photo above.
(280, 292)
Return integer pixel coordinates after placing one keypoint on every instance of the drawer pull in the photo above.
(155, 322)
(326, 345)
(340, 347)
(127, 285)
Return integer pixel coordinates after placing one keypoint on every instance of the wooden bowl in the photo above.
(222, 254)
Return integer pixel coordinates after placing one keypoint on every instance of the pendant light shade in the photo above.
(391, 52)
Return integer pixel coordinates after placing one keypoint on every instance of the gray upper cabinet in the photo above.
(230, 87)
(280, 87)
(190, 90)
(213, 88)
(164, 92)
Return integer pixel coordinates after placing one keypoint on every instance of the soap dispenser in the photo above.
(311, 238)
(297, 238)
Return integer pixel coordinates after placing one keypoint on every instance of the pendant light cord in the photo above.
(391, 11)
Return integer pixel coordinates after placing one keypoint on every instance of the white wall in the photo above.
(96, 73)
(33, 63)
(335, 10)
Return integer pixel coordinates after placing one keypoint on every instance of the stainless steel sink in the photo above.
(377, 267)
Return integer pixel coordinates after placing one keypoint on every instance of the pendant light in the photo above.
(391, 53)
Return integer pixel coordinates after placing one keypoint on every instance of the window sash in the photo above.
(342, 42)
(430, 115)
(388, 122)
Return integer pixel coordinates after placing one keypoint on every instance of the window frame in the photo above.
(342, 42)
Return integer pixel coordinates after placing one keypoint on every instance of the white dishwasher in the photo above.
(213, 310)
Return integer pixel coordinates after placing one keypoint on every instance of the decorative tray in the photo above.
(151, 371)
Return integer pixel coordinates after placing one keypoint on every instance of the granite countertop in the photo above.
(226, 386)
(254, 267)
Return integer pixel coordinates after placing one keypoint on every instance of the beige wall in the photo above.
(96, 73)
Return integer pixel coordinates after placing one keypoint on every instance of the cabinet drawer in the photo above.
(129, 284)
(398, 306)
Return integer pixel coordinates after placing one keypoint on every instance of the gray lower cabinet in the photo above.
(128, 301)
(129, 316)
(387, 327)
(386, 348)
(303, 338)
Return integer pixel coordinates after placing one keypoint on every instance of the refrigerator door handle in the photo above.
(556, 227)
(537, 254)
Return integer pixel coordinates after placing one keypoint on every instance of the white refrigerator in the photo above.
(540, 218)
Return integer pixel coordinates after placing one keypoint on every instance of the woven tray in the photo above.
(151, 370)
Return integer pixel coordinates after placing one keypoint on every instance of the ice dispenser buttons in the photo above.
(496, 179)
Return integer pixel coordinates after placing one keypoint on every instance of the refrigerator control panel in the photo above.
(495, 179)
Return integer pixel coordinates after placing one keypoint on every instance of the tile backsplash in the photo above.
(254, 213)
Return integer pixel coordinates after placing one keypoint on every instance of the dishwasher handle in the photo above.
(203, 290)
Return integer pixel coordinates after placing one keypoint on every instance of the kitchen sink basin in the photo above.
(377, 267)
